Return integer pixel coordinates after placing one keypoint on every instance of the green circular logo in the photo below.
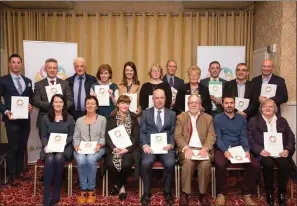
(31, 149)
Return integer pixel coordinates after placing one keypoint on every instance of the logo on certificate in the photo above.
(159, 139)
(101, 91)
(238, 157)
(20, 102)
(88, 144)
(215, 88)
(268, 89)
(174, 94)
(240, 103)
(272, 139)
(117, 133)
(54, 90)
(57, 138)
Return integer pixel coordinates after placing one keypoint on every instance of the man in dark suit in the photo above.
(40, 99)
(241, 87)
(157, 119)
(80, 84)
(171, 79)
(17, 130)
(214, 70)
(267, 77)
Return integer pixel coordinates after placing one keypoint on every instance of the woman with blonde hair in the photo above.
(146, 92)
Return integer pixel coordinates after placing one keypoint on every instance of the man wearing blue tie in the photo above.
(157, 119)
(17, 130)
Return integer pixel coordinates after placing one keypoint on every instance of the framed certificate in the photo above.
(158, 142)
(241, 103)
(102, 94)
(238, 155)
(215, 88)
(268, 90)
(20, 107)
(174, 92)
(87, 147)
(56, 142)
(273, 143)
(186, 102)
(52, 90)
(133, 104)
(120, 137)
(150, 103)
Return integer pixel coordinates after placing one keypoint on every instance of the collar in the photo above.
(229, 117)
(194, 117)
(15, 76)
(83, 76)
(241, 83)
(169, 76)
(100, 82)
(267, 78)
(49, 79)
(214, 79)
(156, 110)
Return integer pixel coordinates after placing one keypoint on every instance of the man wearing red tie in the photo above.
(17, 130)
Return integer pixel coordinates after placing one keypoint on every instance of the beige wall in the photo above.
(275, 22)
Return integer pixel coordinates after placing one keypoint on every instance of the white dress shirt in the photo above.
(49, 79)
(195, 139)
(240, 89)
(265, 80)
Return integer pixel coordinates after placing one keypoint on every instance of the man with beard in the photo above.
(231, 131)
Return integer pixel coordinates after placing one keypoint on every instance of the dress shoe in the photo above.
(184, 199)
(54, 202)
(12, 181)
(220, 200)
(169, 198)
(114, 190)
(145, 199)
(23, 177)
(203, 201)
(282, 199)
(91, 197)
(269, 199)
(122, 196)
(81, 199)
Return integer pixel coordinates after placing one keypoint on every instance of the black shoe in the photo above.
(145, 199)
(184, 199)
(122, 196)
(203, 201)
(282, 199)
(54, 202)
(12, 181)
(269, 199)
(169, 198)
(114, 190)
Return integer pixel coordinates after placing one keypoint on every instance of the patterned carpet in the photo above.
(23, 195)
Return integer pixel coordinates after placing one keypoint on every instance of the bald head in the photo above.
(267, 68)
(159, 98)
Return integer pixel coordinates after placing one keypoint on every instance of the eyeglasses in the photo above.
(241, 70)
(193, 103)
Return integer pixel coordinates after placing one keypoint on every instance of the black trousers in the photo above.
(283, 172)
(116, 177)
(17, 135)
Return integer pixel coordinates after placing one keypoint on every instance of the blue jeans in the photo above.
(87, 168)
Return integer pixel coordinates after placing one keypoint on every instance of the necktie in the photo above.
(171, 82)
(78, 107)
(20, 88)
(159, 121)
(52, 81)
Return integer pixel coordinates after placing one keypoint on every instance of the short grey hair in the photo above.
(79, 59)
(196, 95)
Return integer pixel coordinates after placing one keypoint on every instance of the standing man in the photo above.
(80, 84)
(241, 87)
(157, 119)
(171, 79)
(17, 130)
(40, 99)
(214, 70)
(194, 130)
(267, 77)
(231, 131)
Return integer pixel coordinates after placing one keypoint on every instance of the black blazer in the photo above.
(90, 80)
(8, 89)
(177, 82)
(186, 90)
(231, 88)
(281, 95)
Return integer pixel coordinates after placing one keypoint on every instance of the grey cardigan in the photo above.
(90, 133)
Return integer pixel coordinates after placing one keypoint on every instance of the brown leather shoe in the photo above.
(203, 201)
(220, 200)
(12, 181)
(184, 199)
(91, 197)
(248, 200)
(81, 199)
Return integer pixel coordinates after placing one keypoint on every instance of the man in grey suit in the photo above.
(157, 119)
(214, 70)
(40, 99)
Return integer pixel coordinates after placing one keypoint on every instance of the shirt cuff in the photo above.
(6, 112)
(144, 145)
(185, 147)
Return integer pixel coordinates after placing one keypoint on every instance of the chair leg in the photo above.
(5, 175)
(70, 179)
(175, 178)
(139, 185)
(103, 185)
(258, 190)
(178, 181)
(35, 178)
(214, 183)
(291, 187)
(106, 180)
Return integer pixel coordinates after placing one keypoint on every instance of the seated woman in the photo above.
(156, 74)
(119, 161)
(193, 87)
(56, 121)
(130, 83)
(89, 128)
(267, 121)
(104, 74)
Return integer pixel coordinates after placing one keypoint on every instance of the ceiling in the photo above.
(130, 6)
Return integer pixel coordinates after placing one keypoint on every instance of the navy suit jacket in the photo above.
(148, 126)
(281, 95)
(8, 89)
(177, 82)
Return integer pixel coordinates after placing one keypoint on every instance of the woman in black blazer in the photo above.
(119, 161)
(193, 87)
(56, 121)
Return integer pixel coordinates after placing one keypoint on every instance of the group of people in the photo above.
(211, 125)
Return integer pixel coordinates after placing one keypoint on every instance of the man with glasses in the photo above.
(194, 132)
(242, 88)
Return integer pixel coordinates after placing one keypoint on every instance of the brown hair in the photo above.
(242, 64)
(135, 77)
(214, 62)
(265, 102)
(51, 60)
(104, 67)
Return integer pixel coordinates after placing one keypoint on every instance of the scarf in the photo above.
(271, 126)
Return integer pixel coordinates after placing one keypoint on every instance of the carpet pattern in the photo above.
(23, 195)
